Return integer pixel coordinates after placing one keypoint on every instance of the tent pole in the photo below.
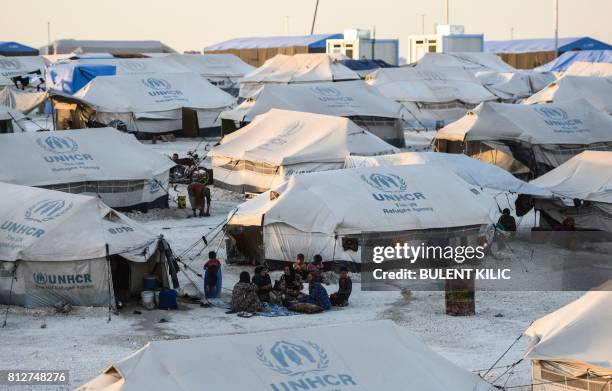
(108, 276)
(10, 298)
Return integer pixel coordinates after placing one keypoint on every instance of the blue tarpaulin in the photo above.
(69, 77)
(544, 45)
(9, 48)
(563, 62)
(316, 41)
(364, 65)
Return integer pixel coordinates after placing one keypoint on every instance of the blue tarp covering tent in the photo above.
(316, 41)
(562, 62)
(364, 65)
(544, 45)
(69, 77)
(9, 48)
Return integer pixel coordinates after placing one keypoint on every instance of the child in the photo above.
(345, 287)
(211, 268)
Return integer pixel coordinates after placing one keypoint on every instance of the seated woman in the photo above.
(244, 296)
(263, 283)
(317, 294)
(289, 284)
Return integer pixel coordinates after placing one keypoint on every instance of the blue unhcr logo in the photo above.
(156, 84)
(552, 113)
(57, 144)
(326, 91)
(46, 210)
(389, 183)
(294, 359)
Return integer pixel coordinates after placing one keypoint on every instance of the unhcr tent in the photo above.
(570, 348)
(581, 189)
(24, 101)
(470, 61)
(539, 136)
(299, 68)
(582, 68)
(562, 62)
(20, 66)
(339, 357)
(221, 70)
(433, 96)
(317, 213)
(365, 66)
(474, 172)
(9, 120)
(103, 162)
(56, 246)
(155, 103)
(597, 90)
(65, 46)
(511, 87)
(355, 100)
(282, 143)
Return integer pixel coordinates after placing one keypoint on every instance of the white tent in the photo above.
(24, 101)
(586, 177)
(10, 119)
(339, 357)
(54, 246)
(470, 61)
(282, 143)
(355, 100)
(571, 347)
(597, 90)
(433, 96)
(539, 136)
(299, 68)
(222, 70)
(314, 213)
(22, 65)
(583, 68)
(150, 103)
(102, 162)
(513, 86)
(474, 172)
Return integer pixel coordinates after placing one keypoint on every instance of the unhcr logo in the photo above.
(553, 113)
(156, 84)
(133, 65)
(305, 363)
(58, 144)
(557, 117)
(390, 183)
(326, 91)
(46, 210)
(49, 280)
(432, 76)
(9, 64)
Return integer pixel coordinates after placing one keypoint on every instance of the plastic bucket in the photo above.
(149, 283)
(156, 298)
(181, 202)
(148, 299)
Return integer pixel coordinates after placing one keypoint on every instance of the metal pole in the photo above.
(287, 25)
(423, 24)
(556, 28)
(48, 35)
(511, 33)
(446, 12)
(314, 17)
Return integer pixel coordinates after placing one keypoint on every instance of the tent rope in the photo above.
(503, 354)
(109, 280)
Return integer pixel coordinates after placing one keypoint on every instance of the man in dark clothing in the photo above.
(345, 287)
(211, 267)
(263, 283)
(506, 221)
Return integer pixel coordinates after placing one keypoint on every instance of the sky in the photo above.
(194, 24)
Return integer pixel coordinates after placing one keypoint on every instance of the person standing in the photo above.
(212, 268)
(199, 197)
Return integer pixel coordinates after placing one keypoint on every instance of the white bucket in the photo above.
(148, 298)
(156, 298)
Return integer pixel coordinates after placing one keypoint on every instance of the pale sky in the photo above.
(193, 24)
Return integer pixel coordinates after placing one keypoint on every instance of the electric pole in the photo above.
(314, 17)
(556, 28)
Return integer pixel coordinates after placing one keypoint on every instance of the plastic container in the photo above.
(148, 299)
(149, 283)
(156, 293)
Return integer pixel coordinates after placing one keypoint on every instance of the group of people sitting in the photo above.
(249, 294)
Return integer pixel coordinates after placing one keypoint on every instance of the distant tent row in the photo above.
(65, 46)
(540, 137)
(354, 100)
(104, 163)
(281, 143)
(59, 247)
(470, 61)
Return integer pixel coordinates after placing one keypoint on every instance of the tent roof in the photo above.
(300, 68)
(570, 122)
(596, 90)
(46, 158)
(17, 66)
(312, 41)
(429, 84)
(514, 85)
(364, 65)
(46, 225)
(561, 63)
(69, 77)
(326, 201)
(134, 66)
(349, 98)
(471, 61)
(583, 68)
(212, 65)
(331, 354)
(474, 172)
(152, 92)
(16, 47)
(7, 113)
(577, 333)
(282, 137)
(586, 176)
(544, 45)
(62, 46)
